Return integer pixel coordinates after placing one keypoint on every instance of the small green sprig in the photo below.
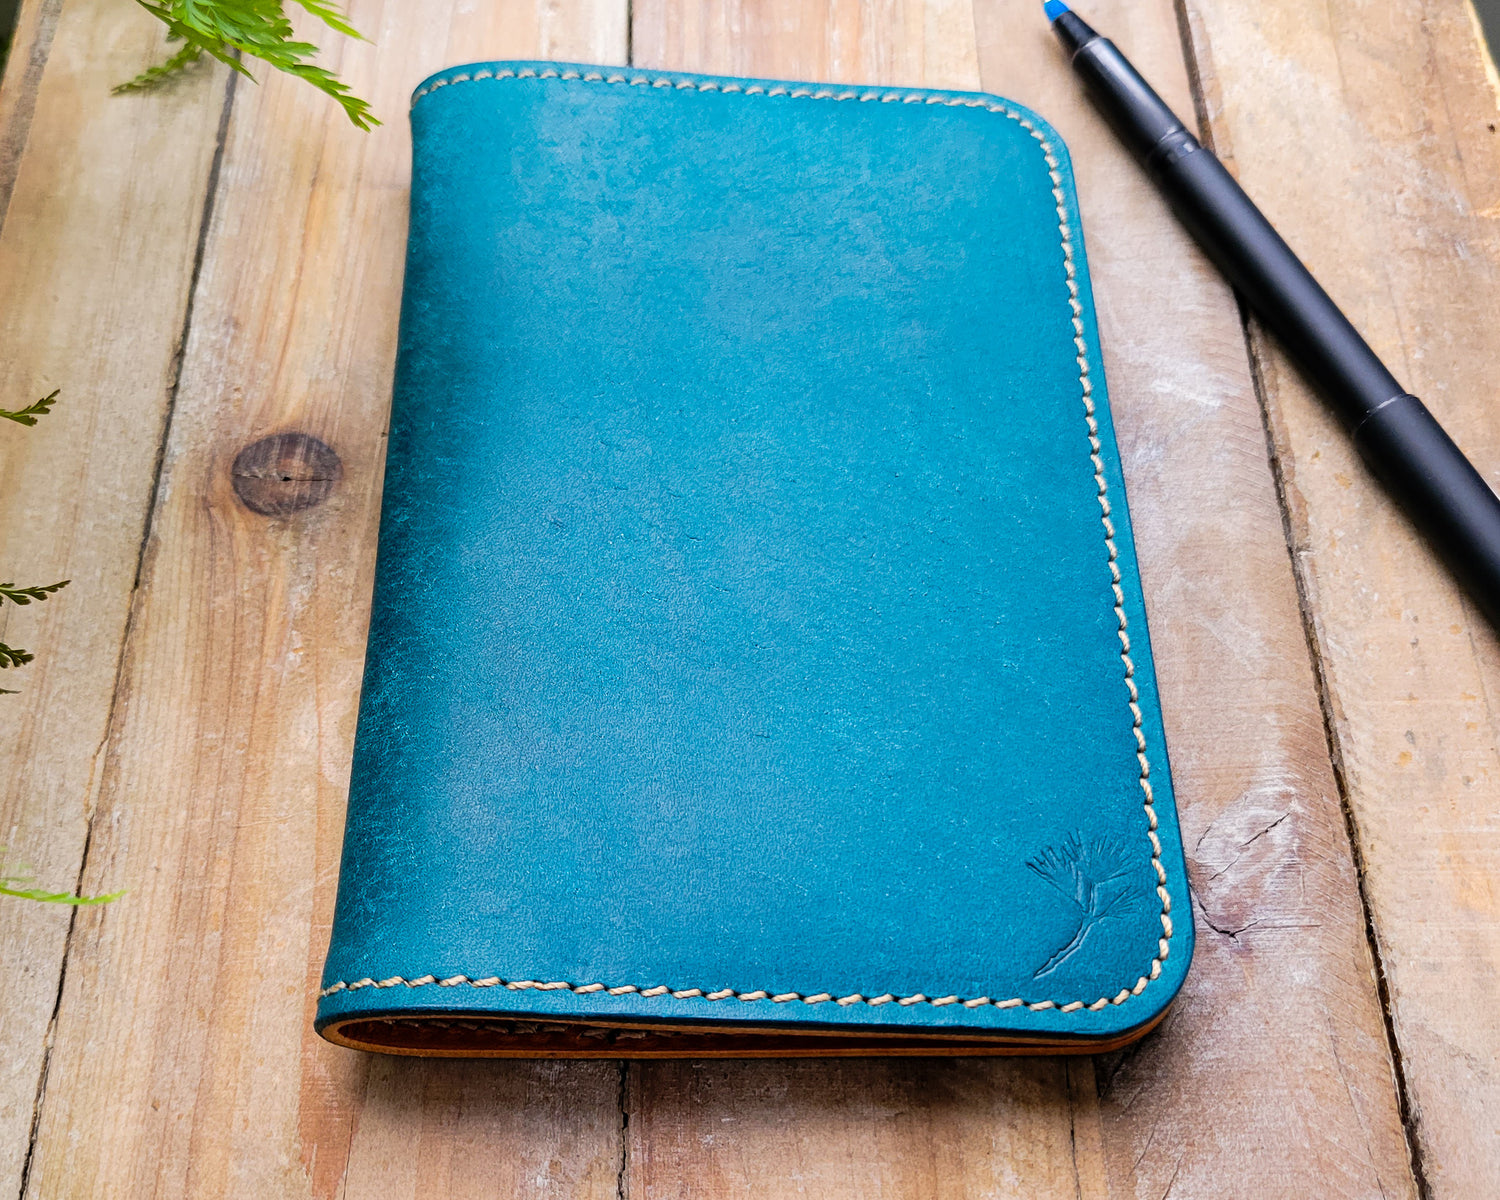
(13, 879)
(29, 414)
(25, 595)
(12, 884)
(155, 76)
(229, 29)
(11, 656)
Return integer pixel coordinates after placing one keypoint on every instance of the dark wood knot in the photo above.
(285, 473)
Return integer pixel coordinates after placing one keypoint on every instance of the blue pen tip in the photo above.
(1055, 9)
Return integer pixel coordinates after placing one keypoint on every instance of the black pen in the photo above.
(1401, 442)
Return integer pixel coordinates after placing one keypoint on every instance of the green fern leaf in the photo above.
(29, 414)
(155, 76)
(25, 595)
(229, 30)
(14, 885)
(11, 657)
(57, 897)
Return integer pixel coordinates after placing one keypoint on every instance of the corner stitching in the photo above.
(1054, 174)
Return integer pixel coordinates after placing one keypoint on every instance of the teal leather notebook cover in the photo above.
(758, 662)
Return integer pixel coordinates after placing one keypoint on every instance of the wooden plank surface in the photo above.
(25, 59)
(1276, 1052)
(860, 1128)
(96, 256)
(1368, 132)
(184, 1063)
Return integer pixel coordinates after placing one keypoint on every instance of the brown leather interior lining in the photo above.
(478, 1037)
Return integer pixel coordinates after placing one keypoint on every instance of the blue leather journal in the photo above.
(758, 662)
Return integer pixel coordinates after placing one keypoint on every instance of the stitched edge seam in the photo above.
(1086, 386)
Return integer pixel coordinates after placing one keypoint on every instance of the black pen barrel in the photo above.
(1439, 489)
(1403, 444)
(1232, 231)
(1273, 281)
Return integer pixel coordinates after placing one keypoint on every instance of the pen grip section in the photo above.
(1140, 117)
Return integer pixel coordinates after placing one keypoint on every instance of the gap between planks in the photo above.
(31, 43)
(210, 191)
(1255, 349)
(1253, 333)
(1371, 140)
(624, 1106)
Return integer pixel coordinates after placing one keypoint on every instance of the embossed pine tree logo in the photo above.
(1095, 876)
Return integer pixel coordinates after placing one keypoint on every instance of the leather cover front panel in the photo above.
(757, 639)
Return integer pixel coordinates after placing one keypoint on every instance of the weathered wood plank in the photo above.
(852, 1128)
(888, 41)
(31, 42)
(184, 1063)
(487, 1128)
(1277, 1050)
(1368, 133)
(839, 1128)
(96, 257)
(1276, 1053)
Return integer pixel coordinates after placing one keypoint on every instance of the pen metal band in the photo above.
(1172, 146)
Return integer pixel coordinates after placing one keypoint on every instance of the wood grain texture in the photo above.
(1277, 1050)
(903, 42)
(1279, 1053)
(869, 1129)
(830, 1128)
(184, 1062)
(96, 259)
(1368, 133)
(31, 42)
